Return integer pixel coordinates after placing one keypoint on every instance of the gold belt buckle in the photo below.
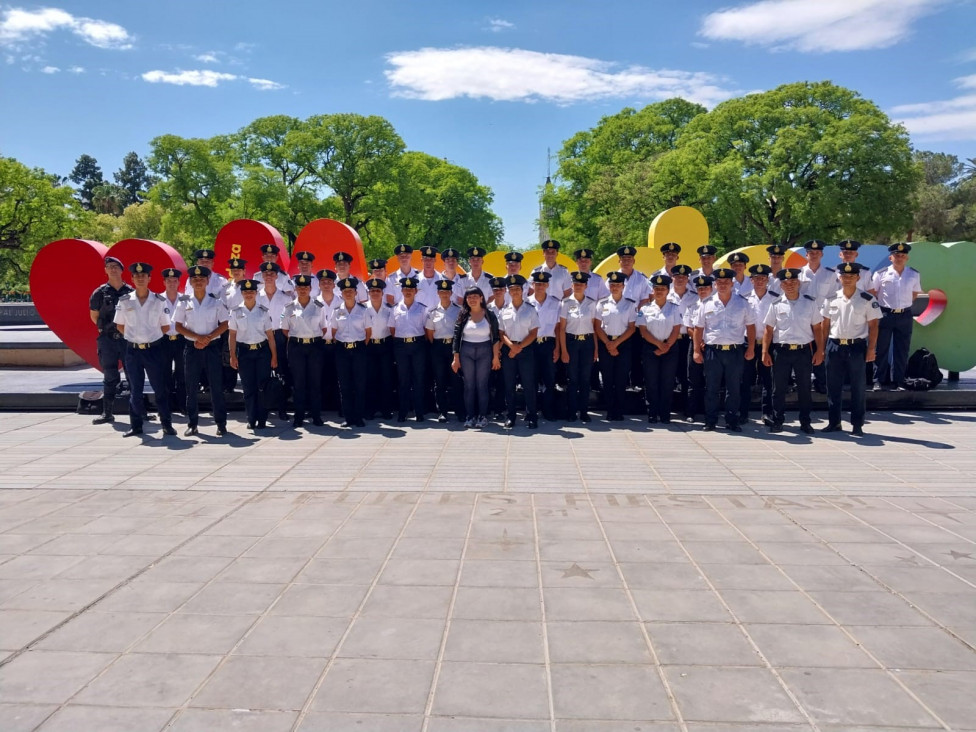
(141, 346)
(173, 337)
(253, 346)
(897, 311)
(350, 345)
(305, 341)
(580, 337)
(409, 340)
(725, 348)
(376, 341)
(845, 341)
(540, 340)
(447, 341)
(328, 341)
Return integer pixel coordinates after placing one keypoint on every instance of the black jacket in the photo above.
(463, 320)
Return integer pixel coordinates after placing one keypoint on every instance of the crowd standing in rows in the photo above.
(469, 344)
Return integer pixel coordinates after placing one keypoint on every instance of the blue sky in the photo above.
(489, 86)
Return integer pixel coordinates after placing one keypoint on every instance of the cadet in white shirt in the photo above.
(232, 292)
(173, 367)
(896, 287)
(669, 251)
(380, 369)
(450, 259)
(851, 325)
(143, 317)
(342, 261)
(596, 287)
(760, 298)
(546, 349)
(513, 266)
(724, 320)
(615, 316)
(217, 283)
(742, 284)
(351, 329)
(848, 255)
(818, 282)
(303, 322)
(695, 404)
(706, 260)
(252, 350)
(305, 261)
(330, 301)
(428, 277)
(777, 255)
(476, 276)
(518, 325)
(577, 348)
(659, 322)
(275, 300)
(402, 252)
(202, 318)
(560, 283)
(791, 329)
(684, 297)
(638, 289)
(410, 347)
(439, 328)
(269, 253)
(496, 380)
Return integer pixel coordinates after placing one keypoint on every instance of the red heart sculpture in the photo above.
(325, 237)
(243, 239)
(62, 300)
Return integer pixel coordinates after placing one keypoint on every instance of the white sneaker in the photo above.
(468, 424)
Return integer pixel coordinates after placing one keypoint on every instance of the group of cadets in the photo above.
(368, 348)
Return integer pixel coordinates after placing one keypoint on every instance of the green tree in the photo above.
(134, 179)
(88, 176)
(593, 202)
(34, 210)
(801, 161)
(428, 201)
(946, 198)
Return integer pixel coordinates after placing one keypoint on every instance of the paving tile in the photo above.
(332, 721)
(149, 680)
(188, 633)
(730, 695)
(377, 686)
(585, 725)
(491, 690)
(773, 606)
(855, 696)
(340, 601)
(587, 604)
(106, 719)
(916, 648)
(500, 641)
(808, 645)
(393, 601)
(597, 642)
(142, 596)
(663, 576)
(20, 627)
(869, 608)
(105, 632)
(499, 573)
(49, 676)
(947, 693)
(340, 571)
(615, 691)
(233, 598)
(252, 682)
(282, 635)
(702, 644)
(683, 605)
(239, 720)
(393, 638)
(262, 570)
(498, 603)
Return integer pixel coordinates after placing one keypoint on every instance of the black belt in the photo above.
(894, 311)
(724, 346)
(791, 346)
(545, 339)
(174, 337)
(328, 341)
(378, 341)
(145, 346)
(848, 341)
(304, 341)
(253, 346)
(350, 345)
(412, 339)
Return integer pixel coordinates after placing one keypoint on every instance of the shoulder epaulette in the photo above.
(159, 297)
(318, 302)
(588, 298)
(126, 296)
(210, 294)
(866, 295)
(913, 270)
(263, 308)
(808, 297)
(830, 269)
(630, 299)
(183, 298)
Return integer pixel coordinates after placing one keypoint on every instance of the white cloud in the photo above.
(206, 77)
(19, 26)
(818, 25)
(50, 70)
(210, 57)
(265, 84)
(76, 70)
(947, 119)
(497, 25)
(512, 74)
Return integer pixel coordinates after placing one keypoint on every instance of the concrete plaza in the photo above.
(577, 579)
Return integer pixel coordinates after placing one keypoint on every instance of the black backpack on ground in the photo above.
(922, 372)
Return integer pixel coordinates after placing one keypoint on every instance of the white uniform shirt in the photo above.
(393, 283)
(743, 288)
(596, 288)
(231, 295)
(863, 280)
(516, 324)
(144, 322)
(659, 321)
(849, 318)
(548, 315)
(200, 316)
(275, 304)
(725, 325)
(381, 320)
(761, 305)
(330, 306)
(560, 280)
(578, 315)
(820, 284)
(793, 320)
(349, 324)
(441, 320)
(250, 325)
(896, 290)
(637, 287)
(215, 285)
(172, 304)
(304, 322)
(615, 317)
(482, 283)
(526, 291)
(283, 283)
(684, 302)
(409, 322)
(427, 290)
(691, 314)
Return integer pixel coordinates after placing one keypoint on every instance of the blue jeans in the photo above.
(475, 369)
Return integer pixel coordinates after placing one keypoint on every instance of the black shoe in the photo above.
(571, 417)
(132, 432)
(349, 425)
(857, 432)
(775, 428)
(387, 415)
(585, 418)
(442, 418)
(221, 430)
(168, 429)
(317, 421)
(262, 425)
(250, 425)
(806, 429)
(733, 428)
(361, 423)
(509, 423)
(282, 415)
(709, 427)
(689, 420)
(103, 419)
(651, 419)
(191, 431)
(768, 421)
(296, 423)
(666, 420)
(831, 428)
(401, 418)
(532, 424)
(420, 418)
(878, 387)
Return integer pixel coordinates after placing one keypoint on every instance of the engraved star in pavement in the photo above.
(960, 555)
(577, 571)
(909, 560)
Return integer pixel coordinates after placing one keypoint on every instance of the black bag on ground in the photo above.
(90, 402)
(923, 365)
(272, 392)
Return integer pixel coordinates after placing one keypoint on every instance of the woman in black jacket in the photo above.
(477, 352)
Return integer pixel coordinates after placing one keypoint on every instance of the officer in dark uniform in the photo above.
(143, 317)
(111, 345)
